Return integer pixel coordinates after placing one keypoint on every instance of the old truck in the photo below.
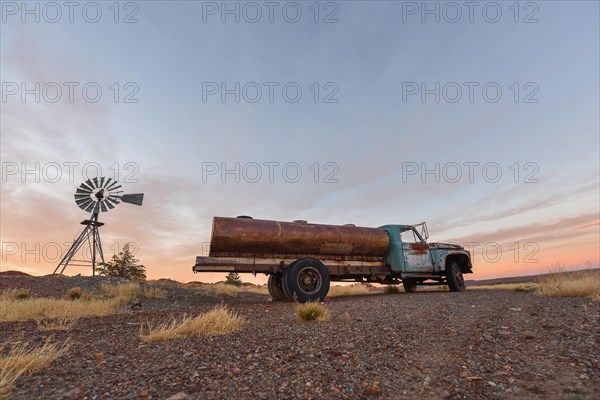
(301, 259)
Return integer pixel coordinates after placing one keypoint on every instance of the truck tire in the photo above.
(307, 279)
(275, 288)
(284, 281)
(454, 277)
(409, 286)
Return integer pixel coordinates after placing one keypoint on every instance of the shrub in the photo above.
(391, 289)
(125, 265)
(217, 322)
(74, 293)
(233, 278)
(312, 311)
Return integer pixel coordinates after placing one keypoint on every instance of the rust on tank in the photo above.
(244, 236)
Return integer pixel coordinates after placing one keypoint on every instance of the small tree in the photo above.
(233, 278)
(125, 265)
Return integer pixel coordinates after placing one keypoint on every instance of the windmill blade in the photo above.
(102, 181)
(134, 198)
(112, 185)
(108, 180)
(109, 204)
(114, 199)
(114, 188)
(84, 203)
(97, 185)
(91, 206)
(82, 196)
(103, 206)
(88, 185)
(81, 192)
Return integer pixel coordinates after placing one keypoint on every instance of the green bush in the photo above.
(125, 265)
(23, 294)
(233, 278)
(74, 293)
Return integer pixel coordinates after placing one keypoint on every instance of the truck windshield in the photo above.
(409, 236)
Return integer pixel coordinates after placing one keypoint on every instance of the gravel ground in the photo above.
(480, 344)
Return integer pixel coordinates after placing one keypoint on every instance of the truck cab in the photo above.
(416, 262)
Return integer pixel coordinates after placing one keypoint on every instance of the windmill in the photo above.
(94, 196)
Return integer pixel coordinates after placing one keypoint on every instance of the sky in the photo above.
(481, 119)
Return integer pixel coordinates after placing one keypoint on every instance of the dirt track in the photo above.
(480, 344)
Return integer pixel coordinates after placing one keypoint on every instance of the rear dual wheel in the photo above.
(275, 287)
(305, 280)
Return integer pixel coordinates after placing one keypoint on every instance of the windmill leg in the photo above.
(94, 233)
(100, 252)
(73, 250)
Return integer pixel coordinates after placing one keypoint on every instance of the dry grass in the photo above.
(123, 293)
(154, 293)
(35, 308)
(57, 324)
(22, 358)
(517, 287)
(231, 290)
(15, 294)
(312, 311)
(335, 291)
(14, 306)
(217, 322)
(571, 284)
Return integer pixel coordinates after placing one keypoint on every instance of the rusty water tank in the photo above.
(246, 236)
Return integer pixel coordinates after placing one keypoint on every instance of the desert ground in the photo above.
(484, 343)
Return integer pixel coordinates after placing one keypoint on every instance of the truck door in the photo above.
(417, 257)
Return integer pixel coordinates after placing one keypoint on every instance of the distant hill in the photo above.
(13, 273)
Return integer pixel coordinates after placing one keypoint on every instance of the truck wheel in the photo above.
(307, 279)
(275, 288)
(409, 286)
(284, 280)
(454, 277)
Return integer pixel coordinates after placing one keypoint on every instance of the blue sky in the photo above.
(370, 134)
